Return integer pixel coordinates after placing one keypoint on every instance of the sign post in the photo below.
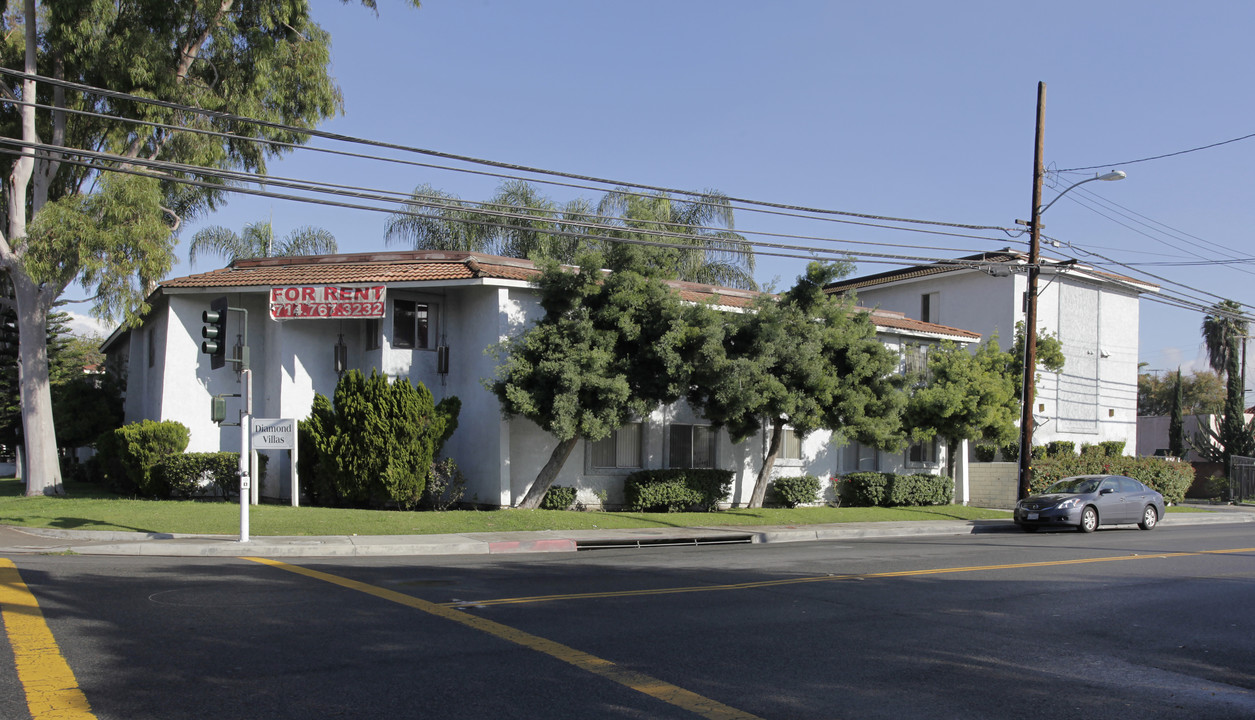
(278, 434)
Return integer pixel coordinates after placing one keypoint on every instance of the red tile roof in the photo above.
(432, 265)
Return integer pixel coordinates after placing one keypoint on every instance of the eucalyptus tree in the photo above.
(257, 241)
(95, 199)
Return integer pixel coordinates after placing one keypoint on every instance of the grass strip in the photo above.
(88, 507)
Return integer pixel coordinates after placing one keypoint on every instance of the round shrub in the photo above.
(558, 497)
(794, 491)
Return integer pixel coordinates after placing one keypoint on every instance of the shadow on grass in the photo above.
(69, 523)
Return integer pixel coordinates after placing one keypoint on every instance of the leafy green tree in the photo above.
(805, 361)
(1049, 356)
(611, 348)
(72, 218)
(965, 396)
(1176, 421)
(1202, 393)
(257, 241)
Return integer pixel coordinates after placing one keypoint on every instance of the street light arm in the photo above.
(1108, 177)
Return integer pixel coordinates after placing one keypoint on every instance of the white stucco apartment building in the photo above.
(442, 313)
(1094, 314)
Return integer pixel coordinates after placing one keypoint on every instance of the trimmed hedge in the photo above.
(185, 475)
(676, 490)
(869, 489)
(985, 453)
(797, 490)
(1171, 478)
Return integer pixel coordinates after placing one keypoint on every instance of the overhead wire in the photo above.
(599, 232)
(311, 132)
(1160, 157)
(442, 203)
(754, 205)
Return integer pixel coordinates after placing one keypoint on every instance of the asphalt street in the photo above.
(989, 625)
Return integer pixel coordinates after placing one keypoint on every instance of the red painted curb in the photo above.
(519, 546)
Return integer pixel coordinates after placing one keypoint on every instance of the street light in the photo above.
(1034, 268)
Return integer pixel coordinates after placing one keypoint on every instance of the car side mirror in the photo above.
(1106, 491)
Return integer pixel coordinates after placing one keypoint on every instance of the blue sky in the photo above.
(908, 109)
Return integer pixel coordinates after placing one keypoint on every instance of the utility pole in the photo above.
(1030, 303)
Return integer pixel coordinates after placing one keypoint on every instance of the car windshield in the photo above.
(1074, 485)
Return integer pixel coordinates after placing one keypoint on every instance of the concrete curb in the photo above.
(92, 542)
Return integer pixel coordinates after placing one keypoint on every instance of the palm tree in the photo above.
(517, 222)
(714, 254)
(437, 220)
(521, 222)
(257, 240)
(1221, 330)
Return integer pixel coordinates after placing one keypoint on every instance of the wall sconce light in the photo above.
(442, 359)
(342, 356)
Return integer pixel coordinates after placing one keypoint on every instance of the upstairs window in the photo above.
(409, 324)
(930, 307)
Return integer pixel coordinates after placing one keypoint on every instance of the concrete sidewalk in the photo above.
(21, 540)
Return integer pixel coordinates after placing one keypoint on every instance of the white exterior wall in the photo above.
(292, 360)
(1094, 398)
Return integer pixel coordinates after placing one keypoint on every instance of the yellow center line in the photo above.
(640, 682)
(823, 578)
(52, 692)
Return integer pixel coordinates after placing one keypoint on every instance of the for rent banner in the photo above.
(292, 302)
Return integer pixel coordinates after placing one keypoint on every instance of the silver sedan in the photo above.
(1087, 501)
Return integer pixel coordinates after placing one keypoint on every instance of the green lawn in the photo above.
(88, 507)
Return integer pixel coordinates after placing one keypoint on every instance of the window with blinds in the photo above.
(691, 446)
(622, 449)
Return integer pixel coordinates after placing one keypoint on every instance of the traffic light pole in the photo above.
(246, 452)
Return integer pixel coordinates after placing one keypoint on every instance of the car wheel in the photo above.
(1150, 518)
(1089, 520)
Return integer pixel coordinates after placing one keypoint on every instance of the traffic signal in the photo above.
(215, 333)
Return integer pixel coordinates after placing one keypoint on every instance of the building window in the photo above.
(791, 447)
(151, 336)
(922, 453)
(409, 324)
(373, 341)
(861, 458)
(622, 449)
(930, 307)
(915, 361)
(691, 446)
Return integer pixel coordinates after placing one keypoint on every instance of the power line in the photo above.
(439, 203)
(468, 159)
(1160, 157)
(772, 249)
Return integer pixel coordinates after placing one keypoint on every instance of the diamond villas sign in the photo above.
(292, 302)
